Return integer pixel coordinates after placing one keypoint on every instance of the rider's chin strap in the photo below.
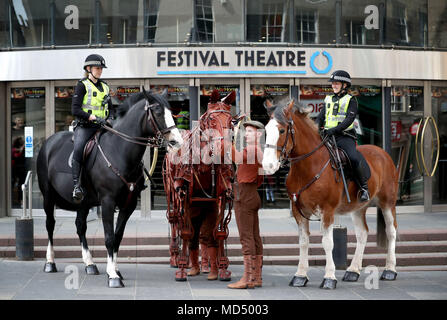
(90, 73)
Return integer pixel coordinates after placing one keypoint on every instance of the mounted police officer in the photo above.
(337, 118)
(90, 106)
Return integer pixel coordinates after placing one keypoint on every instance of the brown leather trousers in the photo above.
(246, 205)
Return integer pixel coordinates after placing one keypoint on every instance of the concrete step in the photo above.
(408, 253)
(418, 261)
(280, 238)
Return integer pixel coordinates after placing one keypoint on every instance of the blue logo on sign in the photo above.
(29, 139)
(319, 71)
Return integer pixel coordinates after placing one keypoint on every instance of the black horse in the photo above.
(112, 176)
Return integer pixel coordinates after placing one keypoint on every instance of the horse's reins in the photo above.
(285, 158)
(145, 141)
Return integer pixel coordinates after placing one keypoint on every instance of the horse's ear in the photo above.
(289, 107)
(164, 94)
(230, 98)
(268, 105)
(215, 96)
(304, 109)
(146, 94)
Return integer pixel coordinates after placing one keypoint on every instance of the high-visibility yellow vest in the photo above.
(333, 118)
(183, 121)
(93, 99)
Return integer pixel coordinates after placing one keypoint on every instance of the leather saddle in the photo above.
(89, 145)
(344, 159)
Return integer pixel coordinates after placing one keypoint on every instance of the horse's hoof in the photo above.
(298, 281)
(180, 276)
(388, 275)
(91, 269)
(115, 283)
(224, 275)
(351, 276)
(329, 284)
(119, 274)
(50, 267)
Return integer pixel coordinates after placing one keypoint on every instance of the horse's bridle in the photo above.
(284, 155)
(156, 141)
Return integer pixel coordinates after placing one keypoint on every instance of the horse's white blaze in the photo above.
(50, 253)
(174, 134)
(303, 264)
(111, 266)
(362, 236)
(391, 236)
(270, 162)
(86, 256)
(328, 245)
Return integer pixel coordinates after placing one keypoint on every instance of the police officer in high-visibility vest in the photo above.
(90, 106)
(336, 118)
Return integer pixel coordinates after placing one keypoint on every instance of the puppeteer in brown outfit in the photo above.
(246, 205)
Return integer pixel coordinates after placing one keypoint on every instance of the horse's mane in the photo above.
(131, 100)
(136, 97)
(297, 109)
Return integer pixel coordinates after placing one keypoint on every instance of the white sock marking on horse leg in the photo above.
(303, 264)
(362, 237)
(391, 236)
(50, 253)
(328, 245)
(111, 266)
(86, 256)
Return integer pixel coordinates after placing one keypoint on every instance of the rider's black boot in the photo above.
(77, 195)
(362, 181)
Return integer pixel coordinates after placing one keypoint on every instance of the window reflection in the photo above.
(26, 23)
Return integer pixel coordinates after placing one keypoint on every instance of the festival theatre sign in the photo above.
(234, 61)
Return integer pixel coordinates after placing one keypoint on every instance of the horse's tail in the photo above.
(381, 240)
(391, 190)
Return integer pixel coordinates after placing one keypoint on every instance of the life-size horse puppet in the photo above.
(198, 185)
(113, 174)
(315, 189)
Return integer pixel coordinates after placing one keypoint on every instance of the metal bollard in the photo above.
(340, 251)
(25, 225)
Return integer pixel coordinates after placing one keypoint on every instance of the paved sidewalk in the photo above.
(26, 280)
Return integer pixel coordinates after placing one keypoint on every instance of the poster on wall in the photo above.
(121, 93)
(224, 90)
(63, 92)
(269, 90)
(174, 92)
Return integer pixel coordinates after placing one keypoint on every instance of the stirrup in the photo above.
(364, 195)
(77, 194)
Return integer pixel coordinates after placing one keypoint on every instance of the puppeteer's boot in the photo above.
(77, 195)
(362, 181)
(213, 263)
(194, 260)
(204, 264)
(258, 271)
(247, 279)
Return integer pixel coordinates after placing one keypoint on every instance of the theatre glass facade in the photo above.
(395, 51)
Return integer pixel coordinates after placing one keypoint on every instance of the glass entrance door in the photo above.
(27, 136)
(178, 97)
(273, 191)
(439, 109)
(407, 106)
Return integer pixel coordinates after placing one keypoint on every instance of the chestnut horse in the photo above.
(315, 189)
(198, 190)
